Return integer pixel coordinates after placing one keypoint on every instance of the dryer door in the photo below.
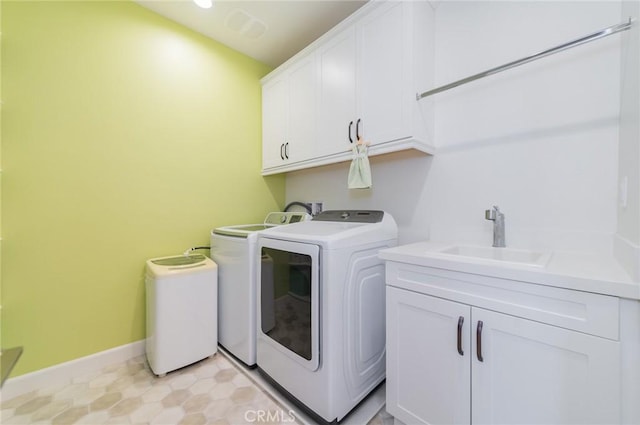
(288, 276)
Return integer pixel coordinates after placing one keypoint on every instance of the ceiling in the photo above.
(270, 31)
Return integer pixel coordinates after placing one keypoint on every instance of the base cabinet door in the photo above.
(452, 363)
(536, 373)
(427, 377)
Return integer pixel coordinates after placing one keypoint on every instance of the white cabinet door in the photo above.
(427, 377)
(337, 93)
(384, 77)
(365, 81)
(274, 121)
(288, 115)
(537, 373)
(301, 131)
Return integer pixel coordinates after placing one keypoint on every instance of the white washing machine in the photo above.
(323, 298)
(233, 248)
(182, 325)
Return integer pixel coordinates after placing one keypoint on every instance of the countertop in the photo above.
(570, 270)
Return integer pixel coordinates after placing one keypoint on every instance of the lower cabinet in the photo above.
(427, 380)
(453, 363)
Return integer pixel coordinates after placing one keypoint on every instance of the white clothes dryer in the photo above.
(233, 248)
(322, 332)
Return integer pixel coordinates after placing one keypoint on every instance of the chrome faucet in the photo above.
(498, 226)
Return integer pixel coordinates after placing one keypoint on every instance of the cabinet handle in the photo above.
(282, 151)
(460, 323)
(358, 129)
(479, 341)
(286, 150)
(350, 125)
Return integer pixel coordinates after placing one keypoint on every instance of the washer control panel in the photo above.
(278, 218)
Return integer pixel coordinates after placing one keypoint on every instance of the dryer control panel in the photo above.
(351, 216)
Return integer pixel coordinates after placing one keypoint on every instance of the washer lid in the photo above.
(179, 264)
(179, 260)
(241, 231)
(276, 218)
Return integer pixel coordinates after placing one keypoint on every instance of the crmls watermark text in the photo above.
(269, 416)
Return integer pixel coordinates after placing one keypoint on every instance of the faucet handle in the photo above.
(493, 213)
(490, 214)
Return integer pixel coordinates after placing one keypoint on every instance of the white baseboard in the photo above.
(628, 255)
(64, 373)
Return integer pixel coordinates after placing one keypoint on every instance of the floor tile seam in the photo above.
(260, 385)
(255, 382)
(105, 391)
(87, 404)
(152, 384)
(39, 411)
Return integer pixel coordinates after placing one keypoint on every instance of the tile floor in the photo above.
(213, 391)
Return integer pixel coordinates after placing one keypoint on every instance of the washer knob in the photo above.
(344, 215)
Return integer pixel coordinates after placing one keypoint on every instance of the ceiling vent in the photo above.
(240, 21)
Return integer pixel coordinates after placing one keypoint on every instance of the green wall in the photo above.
(125, 137)
(0, 175)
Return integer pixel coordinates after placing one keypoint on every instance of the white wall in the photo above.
(540, 141)
(398, 188)
(628, 236)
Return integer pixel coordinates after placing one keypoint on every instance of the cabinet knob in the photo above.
(358, 129)
(350, 125)
(286, 150)
(282, 151)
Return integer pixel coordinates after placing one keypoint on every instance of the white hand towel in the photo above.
(360, 170)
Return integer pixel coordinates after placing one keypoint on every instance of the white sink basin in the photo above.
(490, 255)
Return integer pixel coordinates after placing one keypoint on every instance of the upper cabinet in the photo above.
(337, 93)
(288, 121)
(368, 70)
(275, 107)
